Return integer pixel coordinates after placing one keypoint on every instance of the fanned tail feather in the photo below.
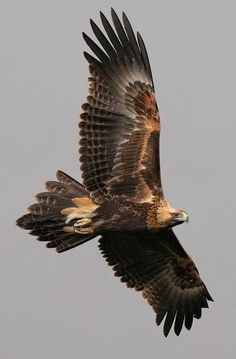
(46, 219)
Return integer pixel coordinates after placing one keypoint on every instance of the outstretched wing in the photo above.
(120, 125)
(157, 264)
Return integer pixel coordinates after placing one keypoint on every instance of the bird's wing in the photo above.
(157, 264)
(120, 125)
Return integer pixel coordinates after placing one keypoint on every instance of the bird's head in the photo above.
(169, 216)
(179, 216)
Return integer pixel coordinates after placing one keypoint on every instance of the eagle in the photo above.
(121, 199)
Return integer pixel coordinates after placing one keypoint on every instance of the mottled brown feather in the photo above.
(120, 125)
(157, 264)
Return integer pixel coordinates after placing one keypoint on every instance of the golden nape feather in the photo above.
(121, 198)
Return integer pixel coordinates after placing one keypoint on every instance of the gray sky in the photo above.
(70, 305)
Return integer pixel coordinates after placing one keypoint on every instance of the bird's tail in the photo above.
(62, 215)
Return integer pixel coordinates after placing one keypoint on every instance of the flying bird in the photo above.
(121, 198)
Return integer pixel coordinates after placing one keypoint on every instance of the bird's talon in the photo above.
(84, 222)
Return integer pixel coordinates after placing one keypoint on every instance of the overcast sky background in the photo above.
(70, 305)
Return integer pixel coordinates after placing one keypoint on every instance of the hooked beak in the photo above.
(185, 217)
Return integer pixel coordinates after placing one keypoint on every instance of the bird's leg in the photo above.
(84, 222)
(82, 226)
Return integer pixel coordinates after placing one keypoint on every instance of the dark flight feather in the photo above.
(157, 264)
(103, 41)
(132, 40)
(122, 35)
(96, 49)
(112, 36)
(144, 55)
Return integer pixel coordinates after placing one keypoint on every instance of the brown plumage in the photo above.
(121, 198)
